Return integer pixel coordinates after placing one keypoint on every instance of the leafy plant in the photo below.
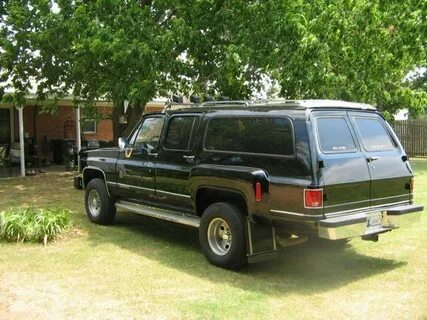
(33, 224)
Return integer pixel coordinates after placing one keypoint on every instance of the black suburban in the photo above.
(254, 175)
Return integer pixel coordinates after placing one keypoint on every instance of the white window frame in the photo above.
(94, 124)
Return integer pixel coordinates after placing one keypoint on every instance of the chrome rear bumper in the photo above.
(369, 222)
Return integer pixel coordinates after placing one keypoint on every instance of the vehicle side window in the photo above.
(133, 135)
(261, 135)
(149, 134)
(374, 135)
(335, 135)
(180, 129)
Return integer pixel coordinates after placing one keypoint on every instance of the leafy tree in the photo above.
(135, 50)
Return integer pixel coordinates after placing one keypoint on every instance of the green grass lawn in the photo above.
(143, 268)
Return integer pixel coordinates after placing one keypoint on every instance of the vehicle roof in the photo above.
(266, 105)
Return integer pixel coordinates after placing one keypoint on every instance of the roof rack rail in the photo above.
(170, 105)
(224, 103)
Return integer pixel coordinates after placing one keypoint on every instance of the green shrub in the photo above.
(33, 224)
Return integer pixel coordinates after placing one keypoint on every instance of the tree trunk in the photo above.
(133, 114)
(117, 127)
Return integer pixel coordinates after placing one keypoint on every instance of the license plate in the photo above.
(375, 219)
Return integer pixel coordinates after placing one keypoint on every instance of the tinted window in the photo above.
(149, 134)
(179, 133)
(334, 135)
(374, 136)
(253, 135)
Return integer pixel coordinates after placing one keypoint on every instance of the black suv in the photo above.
(250, 173)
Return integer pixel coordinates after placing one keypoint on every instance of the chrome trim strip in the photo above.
(346, 204)
(128, 186)
(367, 200)
(400, 195)
(296, 213)
(331, 214)
(97, 169)
(175, 194)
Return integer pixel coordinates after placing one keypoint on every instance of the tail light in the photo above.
(313, 198)
(258, 191)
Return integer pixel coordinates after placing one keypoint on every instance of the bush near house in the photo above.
(33, 224)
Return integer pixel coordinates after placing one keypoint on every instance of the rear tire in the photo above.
(222, 236)
(100, 207)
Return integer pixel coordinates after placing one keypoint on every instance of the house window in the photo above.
(89, 126)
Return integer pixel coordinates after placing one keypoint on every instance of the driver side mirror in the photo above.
(122, 143)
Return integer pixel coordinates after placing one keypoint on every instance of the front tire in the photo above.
(100, 207)
(222, 235)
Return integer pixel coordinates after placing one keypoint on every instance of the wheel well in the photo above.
(206, 196)
(90, 174)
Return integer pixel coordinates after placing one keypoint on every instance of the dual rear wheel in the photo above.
(222, 235)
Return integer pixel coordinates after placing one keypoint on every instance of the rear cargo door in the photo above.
(390, 175)
(343, 170)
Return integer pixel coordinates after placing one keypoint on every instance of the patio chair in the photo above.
(4, 155)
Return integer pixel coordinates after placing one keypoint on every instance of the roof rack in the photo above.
(224, 103)
(271, 103)
(174, 105)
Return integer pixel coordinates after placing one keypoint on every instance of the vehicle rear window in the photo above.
(260, 135)
(335, 135)
(374, 135)
(179, 133)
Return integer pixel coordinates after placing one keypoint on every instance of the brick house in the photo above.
(47, 131)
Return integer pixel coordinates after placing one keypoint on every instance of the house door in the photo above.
(5, 134)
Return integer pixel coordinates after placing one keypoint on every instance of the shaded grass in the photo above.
(145, 268)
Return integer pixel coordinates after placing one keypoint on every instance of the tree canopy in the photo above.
(358, 50)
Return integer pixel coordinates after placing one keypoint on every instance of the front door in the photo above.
(135, 166)
(5, 131)
(390, 174)
(175, 160)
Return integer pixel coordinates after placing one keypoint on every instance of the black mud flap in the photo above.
(78, 183)
(261, 241)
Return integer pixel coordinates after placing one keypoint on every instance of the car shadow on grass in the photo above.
(303, 269)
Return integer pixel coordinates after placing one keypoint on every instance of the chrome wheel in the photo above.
(219, 236)
(94, 203)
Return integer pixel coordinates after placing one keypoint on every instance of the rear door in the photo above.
(343, 170)
(390, 174)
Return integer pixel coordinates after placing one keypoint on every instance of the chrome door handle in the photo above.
(370, 159)
(188, 157)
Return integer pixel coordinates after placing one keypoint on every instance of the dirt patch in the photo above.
(6, 300)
